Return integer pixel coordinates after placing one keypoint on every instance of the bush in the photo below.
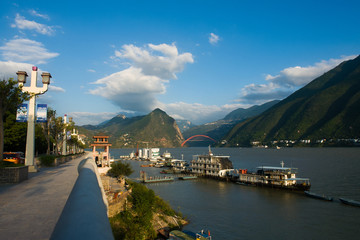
(120, 169)
(47, 160)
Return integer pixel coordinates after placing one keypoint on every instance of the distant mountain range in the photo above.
(325, 110)
(216, 130)
(156, 129)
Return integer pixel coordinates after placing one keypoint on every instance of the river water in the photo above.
(232, 211)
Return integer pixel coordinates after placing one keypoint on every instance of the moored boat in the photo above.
(350, 202)
(318, 196)
(187, 235)
(275, 177)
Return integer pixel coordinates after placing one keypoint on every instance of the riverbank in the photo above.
(135, 211)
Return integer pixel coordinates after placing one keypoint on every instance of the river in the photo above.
(231, 211)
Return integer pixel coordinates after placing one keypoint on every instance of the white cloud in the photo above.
(287, 81)
(26, 50)
(8, 69)
(137, 87)
(213, 38)
(55, 88)
(36, 14)
(23, 24)
(91, 70)
(161, 60)
(82, 118)
(199, 113)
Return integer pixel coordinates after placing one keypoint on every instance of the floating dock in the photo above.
(157, 179)
(154, 179)
(188, 177)
(318, 196)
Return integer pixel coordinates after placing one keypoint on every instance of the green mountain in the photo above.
(326, 108)
(244, 113)
(156, 129)
(216, 130)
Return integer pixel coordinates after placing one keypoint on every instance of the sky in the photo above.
(196, 60)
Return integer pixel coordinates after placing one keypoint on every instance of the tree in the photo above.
(11, 96)
(57, 132)
(46, 127)
(120, 169)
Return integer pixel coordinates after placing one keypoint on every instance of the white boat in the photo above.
(275, 177)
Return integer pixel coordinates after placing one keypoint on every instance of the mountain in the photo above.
(326, 108)
(156, 129)
(242, 113)
(184, 125)
(218, 129)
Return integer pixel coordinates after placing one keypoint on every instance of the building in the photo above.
(209, 164)
(102, 159)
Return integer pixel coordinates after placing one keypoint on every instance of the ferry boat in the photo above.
(209, 164)
(276, 177)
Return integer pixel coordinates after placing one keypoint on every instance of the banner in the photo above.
(41, 113)
(21, 113)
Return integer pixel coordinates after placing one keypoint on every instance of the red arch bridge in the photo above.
(195, 136)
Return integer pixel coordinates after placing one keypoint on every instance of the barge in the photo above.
(275, 177)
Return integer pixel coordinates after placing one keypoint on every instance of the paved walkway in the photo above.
(31, 209)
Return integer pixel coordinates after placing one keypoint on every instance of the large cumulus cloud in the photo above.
(150, 68)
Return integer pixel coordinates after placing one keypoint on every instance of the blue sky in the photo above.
(196, 60)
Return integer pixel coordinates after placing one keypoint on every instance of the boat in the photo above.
(187, 235)
(275, 177)
(350, 202)
(209, 165)
(147, 165)
(318, 196)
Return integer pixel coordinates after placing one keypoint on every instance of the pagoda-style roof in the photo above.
(101, 135)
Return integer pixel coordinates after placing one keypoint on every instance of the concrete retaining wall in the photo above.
(85, 213)
(13, 174)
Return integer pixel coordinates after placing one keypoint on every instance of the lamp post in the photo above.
(64, 152)
(33, 90)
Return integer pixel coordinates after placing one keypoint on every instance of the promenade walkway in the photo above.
(31, 209)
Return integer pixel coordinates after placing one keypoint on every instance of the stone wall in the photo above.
(13, 174)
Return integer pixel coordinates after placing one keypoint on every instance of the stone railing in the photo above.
(85, 213)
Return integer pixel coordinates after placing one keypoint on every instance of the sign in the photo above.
(41, 113)
(22, 113)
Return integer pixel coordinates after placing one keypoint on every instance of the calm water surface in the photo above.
(232, 211)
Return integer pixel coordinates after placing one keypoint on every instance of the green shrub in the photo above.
(47, 160)
(120, 169)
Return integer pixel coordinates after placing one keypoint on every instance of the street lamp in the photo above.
(33, 90)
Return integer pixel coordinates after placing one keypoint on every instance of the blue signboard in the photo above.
(22, 113)
(41, 113)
